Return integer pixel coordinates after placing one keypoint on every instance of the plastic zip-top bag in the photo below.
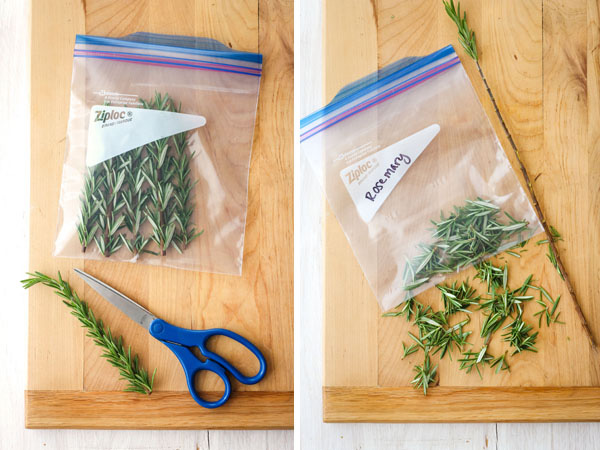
(416, 176)
(158, 152)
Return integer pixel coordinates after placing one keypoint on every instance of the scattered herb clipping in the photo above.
(425, 375)
(151, 184)
(555, 236)
(112, 348)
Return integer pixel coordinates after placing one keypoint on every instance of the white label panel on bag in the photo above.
(371, 180)
(114, 130)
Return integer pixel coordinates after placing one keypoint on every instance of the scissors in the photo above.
(181, 340)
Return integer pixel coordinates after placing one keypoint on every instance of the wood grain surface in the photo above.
(259, 304)
(541, 60)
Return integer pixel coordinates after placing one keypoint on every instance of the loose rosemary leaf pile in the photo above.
(469, 234)
(112, 348)
(150, 184)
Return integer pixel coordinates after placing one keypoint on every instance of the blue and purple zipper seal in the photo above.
(403, 83)
(168, 61)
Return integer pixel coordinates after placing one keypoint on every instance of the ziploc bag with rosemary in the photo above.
(158, 152)
(414, 173)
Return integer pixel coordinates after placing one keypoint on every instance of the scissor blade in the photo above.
(134, 311)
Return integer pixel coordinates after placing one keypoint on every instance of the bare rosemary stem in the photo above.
(471, 48)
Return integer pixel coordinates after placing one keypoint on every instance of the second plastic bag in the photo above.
(416, 176)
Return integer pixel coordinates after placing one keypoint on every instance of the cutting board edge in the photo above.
(165, 410)
(484, 404)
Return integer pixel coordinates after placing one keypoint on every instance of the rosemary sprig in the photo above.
(435, 334)
(169, 209)
(503, 302)
(112, 348)
(466, 36)
(408, 350)
(407, 308)
(183, 188)
(555, 236)
(158, 173)
(470, 47)
(491, 275)
(425, 375)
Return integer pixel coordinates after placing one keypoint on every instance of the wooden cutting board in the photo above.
(542, 62)
(69, 384)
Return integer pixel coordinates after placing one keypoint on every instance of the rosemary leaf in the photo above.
(500, 363)
(550, 314)
(425, 375)
(408, 350)
(475, 360)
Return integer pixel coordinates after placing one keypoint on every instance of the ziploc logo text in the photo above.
(357, 173)
(104, 115)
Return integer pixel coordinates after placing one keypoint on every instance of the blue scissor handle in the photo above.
(192, 366)
(178, 339)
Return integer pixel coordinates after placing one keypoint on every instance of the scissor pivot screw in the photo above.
(158, 327)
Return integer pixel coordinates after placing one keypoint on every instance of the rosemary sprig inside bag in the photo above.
(88, 221)
(112, 348)
(110, 203)
(151, 184)
(134, 199)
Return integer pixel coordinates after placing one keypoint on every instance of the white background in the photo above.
(14, 227)
(313, 433)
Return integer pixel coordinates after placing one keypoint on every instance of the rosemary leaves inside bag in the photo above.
(152, 184)
(470, 233)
